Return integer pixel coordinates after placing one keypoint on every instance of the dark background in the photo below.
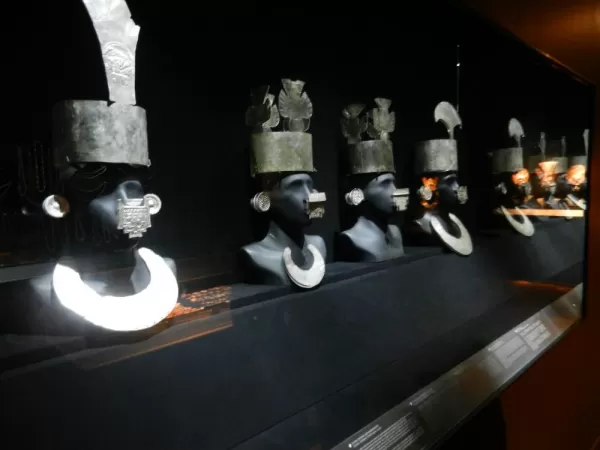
(195, 68)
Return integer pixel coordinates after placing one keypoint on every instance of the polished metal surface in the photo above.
(375, 155)
(525, 227)
(515, 130)
(462, 245)
(424, 419)
(305, 278)
(580, 160)
(436, 155)
(280, 151)
(446, 113)
(372, 157)
(562, 164)
(295, 106)
(118, 37)
(86, 131)
(507, 160)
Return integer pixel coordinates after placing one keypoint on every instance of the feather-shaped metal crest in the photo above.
(118, 36)
(447, 114)
(543, 144)
(515, 130)
(586, 140)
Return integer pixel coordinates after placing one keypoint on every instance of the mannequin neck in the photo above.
(375, 219)
(287, 234)
(101, 261)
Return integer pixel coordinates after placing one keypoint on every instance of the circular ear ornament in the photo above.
(261, 202)
(425, 193)
(355, 197)
(153, 202)
(501, 189)
(462, 194)
(56, 206)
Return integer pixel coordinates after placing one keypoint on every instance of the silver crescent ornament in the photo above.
(461, 245)
(580, 203)
(305, 278)
(525, 228)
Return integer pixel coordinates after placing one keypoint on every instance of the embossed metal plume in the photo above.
(118, 36)
(563, 146)
(543, 144)
(382, 122)
(515, 130)
(295, 106)
(586, 140)
(447, 114)
(353, 125)
(262, 115)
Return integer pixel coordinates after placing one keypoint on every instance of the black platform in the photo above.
(301, 370)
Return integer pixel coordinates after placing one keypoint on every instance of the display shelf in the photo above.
(320, 363)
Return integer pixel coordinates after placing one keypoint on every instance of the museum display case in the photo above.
(332, 241)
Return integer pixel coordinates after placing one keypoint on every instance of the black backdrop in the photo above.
(194, 72)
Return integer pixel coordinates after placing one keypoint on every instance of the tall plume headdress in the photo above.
(286, 151)
(86, 131)
(581, 160)
(509, 160)
(289, 150)
(440, 155)
(375, 155)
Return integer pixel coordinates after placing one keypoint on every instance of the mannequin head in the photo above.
(379, 194)
(95, 193)
(289, 195)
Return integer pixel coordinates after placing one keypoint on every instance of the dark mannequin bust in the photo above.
(262, 261)
(436, 217)
(373, 238)
(134, 274)
(445, 200)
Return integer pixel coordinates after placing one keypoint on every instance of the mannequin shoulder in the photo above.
(171, 263)
(318, 242)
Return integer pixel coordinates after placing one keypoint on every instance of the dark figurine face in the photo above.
(290, 196)
(447, 188)
(105, 207)
(521, 184)
(379, 193)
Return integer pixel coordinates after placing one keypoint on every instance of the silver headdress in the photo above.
(561, 161)
(440, 155)
(509, 160)
(97, 131)
(86, 131)
(375, 155)
(289, 150)
(282, 151)
(581, 160)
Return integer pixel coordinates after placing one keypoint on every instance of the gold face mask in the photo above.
(576, 175)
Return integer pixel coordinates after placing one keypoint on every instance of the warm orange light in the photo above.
(430, 183)
(520, 177)
(546, 173)
(576, 175)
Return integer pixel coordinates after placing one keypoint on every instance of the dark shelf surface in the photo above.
(300, 369)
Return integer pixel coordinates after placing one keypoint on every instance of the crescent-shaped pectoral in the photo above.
(525, 228)
(462, 244)
(305, 278)
(580, 203)
(129, 313)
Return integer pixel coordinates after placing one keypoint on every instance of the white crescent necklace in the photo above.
(129, 313)
(526, 228)
(461, 245)
(305, 278)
